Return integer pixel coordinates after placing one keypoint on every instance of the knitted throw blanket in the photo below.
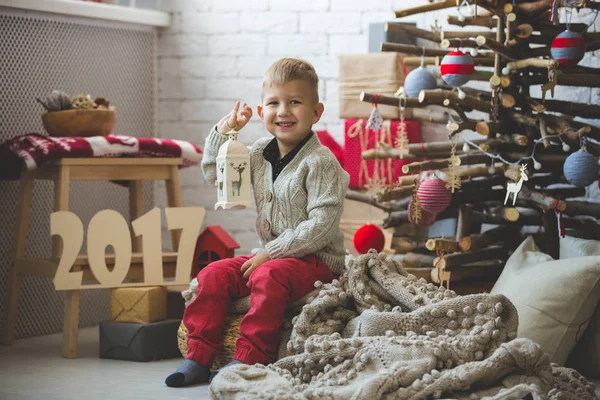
(379, 332)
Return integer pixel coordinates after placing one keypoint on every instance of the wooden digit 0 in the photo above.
(109, 228)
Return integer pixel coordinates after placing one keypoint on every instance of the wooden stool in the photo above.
(62, 172)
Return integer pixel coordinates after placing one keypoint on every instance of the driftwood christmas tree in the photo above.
(525, 143)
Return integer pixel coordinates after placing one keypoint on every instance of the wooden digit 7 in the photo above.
(109, 228)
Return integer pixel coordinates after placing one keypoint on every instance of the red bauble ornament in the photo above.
(433, 195)
(427, 218)
(568, 48)
(457, 68)
(368, 237)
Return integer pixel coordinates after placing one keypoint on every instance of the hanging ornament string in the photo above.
(537, 165)
(559, 218)
(454, 181)
(401, 134)
(553, 12)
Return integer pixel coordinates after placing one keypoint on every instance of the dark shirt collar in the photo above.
(271, 154)
(271, 150)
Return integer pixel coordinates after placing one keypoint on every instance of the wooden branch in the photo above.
(453, 43)
(508, 100)
(483, 270)
(551, 242)
(439, 244)
(572, 109)
(496, 219)
(535, 7)
(463, 224)
(575, 207)
(471, 172)
(396, 193)
(515, 138)
(412, 31)
(428, 115)
(414, 50)
(564, 79)
(531, 63)
(429, 52)
(541, 199)
(416, 61)
(465, 159)
(466, 35)
(420, 150)
(483, 183)
(456, 260)
(499, 48)
(403, 245)
(417, 260)
(425, 8)
(479, 241)
(397, 218)
(411, 102)
(448, 98)
(488, 22)
(367, 199)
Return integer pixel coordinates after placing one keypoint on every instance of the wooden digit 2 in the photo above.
(109, 228)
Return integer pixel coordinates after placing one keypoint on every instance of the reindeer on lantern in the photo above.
(515, 187)
(236, 185)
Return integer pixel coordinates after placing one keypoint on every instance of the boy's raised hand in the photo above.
(235, 119)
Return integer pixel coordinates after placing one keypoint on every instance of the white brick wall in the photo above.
(217, 51)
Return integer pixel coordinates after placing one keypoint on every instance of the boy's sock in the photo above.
(234, 362)
(188, 373)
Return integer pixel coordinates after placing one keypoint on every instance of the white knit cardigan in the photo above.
(299, 213)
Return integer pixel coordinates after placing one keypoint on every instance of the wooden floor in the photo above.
(34, 369)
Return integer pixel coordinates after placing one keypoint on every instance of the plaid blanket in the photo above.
(32, 150)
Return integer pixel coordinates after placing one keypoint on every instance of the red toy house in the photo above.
(213, 244)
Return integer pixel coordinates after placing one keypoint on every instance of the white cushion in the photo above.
(555, 299)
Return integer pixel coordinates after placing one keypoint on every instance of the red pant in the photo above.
(271, 286)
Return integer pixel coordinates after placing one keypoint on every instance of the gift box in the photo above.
(380, 73)
(358, 138)
(175, 301)
(138, 304)
(139, 342)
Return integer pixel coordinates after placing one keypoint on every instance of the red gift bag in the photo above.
(358, 139)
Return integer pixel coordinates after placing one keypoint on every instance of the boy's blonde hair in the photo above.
(289, 69)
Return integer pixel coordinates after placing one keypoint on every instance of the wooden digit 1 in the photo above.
(109, 228)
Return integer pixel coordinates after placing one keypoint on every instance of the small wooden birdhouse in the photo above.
(233, 175)
(213, 244)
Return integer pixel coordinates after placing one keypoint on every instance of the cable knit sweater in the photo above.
(299, 213)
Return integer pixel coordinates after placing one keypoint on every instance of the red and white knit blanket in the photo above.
(32, 150)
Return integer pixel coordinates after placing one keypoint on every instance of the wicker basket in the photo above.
(227, 353)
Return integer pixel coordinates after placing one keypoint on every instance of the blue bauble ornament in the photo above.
(417, 80)
(581, 168)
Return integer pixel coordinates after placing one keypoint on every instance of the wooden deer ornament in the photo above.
(515, 187)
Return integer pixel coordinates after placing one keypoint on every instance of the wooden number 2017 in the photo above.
(109, 228)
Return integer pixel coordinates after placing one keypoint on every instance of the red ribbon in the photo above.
(561, 227)
(423, 152)
(376, 100)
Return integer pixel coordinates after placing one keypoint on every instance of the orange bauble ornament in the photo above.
(368, 237)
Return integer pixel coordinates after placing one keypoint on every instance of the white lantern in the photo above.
(233, 175)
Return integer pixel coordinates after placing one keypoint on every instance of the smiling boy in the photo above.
(299, 189)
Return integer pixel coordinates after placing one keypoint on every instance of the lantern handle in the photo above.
(233, 134)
